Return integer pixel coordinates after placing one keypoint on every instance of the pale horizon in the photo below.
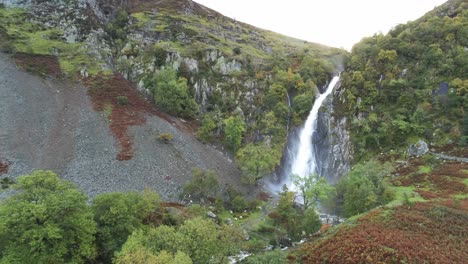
(337, 23)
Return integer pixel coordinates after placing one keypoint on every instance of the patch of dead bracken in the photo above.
(4, 165)
(124, 106)
(42, 65)
(452, 150)
(422, 233)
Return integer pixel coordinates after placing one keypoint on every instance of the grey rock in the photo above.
(418, 149)
(211, 215)
(229, 221)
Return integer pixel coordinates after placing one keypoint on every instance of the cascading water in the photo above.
(304, 161)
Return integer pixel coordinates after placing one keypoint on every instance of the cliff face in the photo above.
(332, 141)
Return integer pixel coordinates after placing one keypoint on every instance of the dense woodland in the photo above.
(396, 88)
(410, 83)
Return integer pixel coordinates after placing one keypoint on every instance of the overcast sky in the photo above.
(338, 23)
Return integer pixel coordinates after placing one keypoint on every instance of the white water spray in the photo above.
(304, 162)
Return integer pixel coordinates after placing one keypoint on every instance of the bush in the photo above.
(6, 182)
(122, 100)
(236, 50)
(165, 137)
(203, 184)
(234, 128)
(207, 129)
(172, 94)
(270, 257)
(239, 204)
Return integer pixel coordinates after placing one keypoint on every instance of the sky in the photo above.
(337, 23)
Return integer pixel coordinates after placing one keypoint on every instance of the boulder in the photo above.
(418, 149)
(211, 215)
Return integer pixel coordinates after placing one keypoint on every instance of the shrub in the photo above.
(207, 129)
(202, 185)
(234, 128)
(122, 100)
(239, 204)
(6, 182)
(236, 50)
(165, 137)
(172, 94)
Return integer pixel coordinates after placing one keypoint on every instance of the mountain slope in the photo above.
(51, 124)
(120, 53)
(410, 83)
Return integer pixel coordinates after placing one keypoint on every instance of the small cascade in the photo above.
(304, 160)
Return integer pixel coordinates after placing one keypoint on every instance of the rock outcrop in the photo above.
(332, 141)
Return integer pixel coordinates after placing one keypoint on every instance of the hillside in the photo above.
(406, 86)
(410, 84)
(223, 69)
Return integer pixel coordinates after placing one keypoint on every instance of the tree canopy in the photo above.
(47, 221)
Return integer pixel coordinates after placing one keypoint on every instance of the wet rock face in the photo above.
(332, 143)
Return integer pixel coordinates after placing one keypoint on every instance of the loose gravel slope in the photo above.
(50, 124)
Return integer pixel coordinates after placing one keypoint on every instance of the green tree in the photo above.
(311, 222)
(364, 187)
(276, 94)
(207, 129)
(256, 161)
(46, 221)
(271, 257)
(312, 189)
(117, 215)
(202, 185)
(172, 94)
(234, 128)
(197, 239)
(303, 103)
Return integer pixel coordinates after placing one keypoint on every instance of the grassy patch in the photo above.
(37, 39)
(142, 17)
(424, 169)
(403, 193)
(107, 110)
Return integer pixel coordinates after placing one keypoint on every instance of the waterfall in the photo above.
(304, 161)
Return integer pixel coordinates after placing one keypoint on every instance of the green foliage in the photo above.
(311, 221)
(316, 70)
(117, 28)
(198, 240)
(207, 128)
(234, 128)
(172, 94)
(312, 189)
(143, 256)
(364, 187)
(394, 76)
(117, 215)
(276, 94)
(271, 257)
(256, 161)
(239, 204)
(122, 100)
(302, 104)
(159, 54)
(6, 182)
(47, 221)
(203, 184)
(295, 221)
